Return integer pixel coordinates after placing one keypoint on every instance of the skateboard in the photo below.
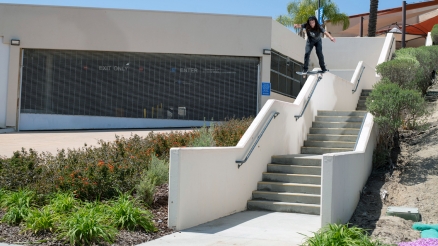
(310, 73)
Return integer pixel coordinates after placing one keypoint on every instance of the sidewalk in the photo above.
(246, 228)
(51, 141)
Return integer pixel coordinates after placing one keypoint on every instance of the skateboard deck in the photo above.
(310, 72)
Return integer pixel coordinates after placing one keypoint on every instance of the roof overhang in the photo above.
(385, 18)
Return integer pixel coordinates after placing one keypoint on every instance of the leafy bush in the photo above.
(229, 133)
(102, 172)
(62, 203)
(402, 71)
(205, 137)
(392, 106)
(127, 216)
(88, 225)
(41, 220)
(340, 235)
(17, 206)
(157, 174)
(20, 170)
(426, 58)
(434, 34)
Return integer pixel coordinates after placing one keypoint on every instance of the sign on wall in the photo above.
(266, 89)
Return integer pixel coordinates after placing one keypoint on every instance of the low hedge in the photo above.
(403, 71)
(434, 34)
(104, 171)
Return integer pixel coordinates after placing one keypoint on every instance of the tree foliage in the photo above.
(299, 12)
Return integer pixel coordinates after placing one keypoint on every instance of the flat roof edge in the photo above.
(139, 10)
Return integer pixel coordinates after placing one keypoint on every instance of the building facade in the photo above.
(86, 68)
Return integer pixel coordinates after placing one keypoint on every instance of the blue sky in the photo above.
(242, 7)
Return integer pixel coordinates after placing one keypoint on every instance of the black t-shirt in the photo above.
(313, 35)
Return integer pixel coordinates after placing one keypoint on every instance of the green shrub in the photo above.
(157, 174)
(3, 194)
(62, 203)
(15, 215)
(17, 205)
(402, 71)
(102, 172)
(88, 225)
(126, 215)
(434, 34)
(41, 220)
(427, 64)
(20, 170)
(340, 235)
(229, 133)
(392, 106)
(205, 137)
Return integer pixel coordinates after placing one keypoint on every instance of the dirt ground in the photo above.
(413, 183)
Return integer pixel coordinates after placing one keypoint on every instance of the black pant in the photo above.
(309, 48)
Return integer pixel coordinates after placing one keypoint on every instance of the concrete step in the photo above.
(294, 169)
(329, 144)
(289, 187)
(339, 118)
(317, 124)
(365, 93)
(363, 98)
(297, 159)
(361, 108)
(292, 178)
(284, 207)
(336, 131)
(340, 113)
(321, 150)
(329, 137)
(286, 197)
(361, 103)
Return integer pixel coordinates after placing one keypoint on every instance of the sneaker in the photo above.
(304, 72)
(324, 70)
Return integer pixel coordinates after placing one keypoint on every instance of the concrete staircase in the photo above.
(292, 183)
(363, 97)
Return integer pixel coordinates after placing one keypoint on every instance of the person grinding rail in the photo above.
(314, 32)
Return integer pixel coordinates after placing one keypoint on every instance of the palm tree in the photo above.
(299, 12)
(374, 4)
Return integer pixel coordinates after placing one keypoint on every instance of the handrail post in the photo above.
(241, 162)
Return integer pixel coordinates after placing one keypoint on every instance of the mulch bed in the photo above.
(15, 234)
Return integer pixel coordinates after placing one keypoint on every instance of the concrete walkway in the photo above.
(53, 140)
(246, 228)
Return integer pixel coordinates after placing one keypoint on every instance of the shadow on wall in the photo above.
(370, 205)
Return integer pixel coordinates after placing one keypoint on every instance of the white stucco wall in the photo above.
(429, 41)
(205, 183)
(345, 174)
(4, 68)
(345, 53)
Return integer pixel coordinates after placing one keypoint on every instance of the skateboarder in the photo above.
(314, 32)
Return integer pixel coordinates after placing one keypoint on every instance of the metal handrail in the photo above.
(360, 130)
(241, 162)
(308, 99)
(390, 49)
(358, 80)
